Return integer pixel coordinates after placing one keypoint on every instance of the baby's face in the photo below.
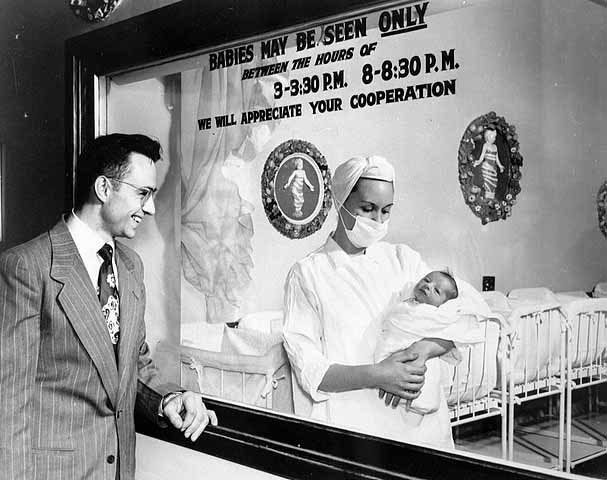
(433, 289)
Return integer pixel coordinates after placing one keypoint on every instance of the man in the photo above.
(74, 364)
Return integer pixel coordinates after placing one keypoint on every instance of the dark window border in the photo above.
(294, 448)
(280, 445)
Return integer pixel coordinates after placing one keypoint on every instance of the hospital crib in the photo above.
(586, 369)
(536, 367)
(522, 359)
(529, 361)
(247, 364)
(549, 346)
(557, 343)
(472, 393)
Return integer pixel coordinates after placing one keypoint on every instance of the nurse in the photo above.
(334, 299)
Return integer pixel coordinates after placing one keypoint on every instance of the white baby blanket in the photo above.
(406, 322)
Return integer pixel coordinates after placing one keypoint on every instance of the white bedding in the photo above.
(476, 375)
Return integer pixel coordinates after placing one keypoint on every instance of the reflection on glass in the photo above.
(216, 268)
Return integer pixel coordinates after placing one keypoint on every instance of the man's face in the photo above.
(127, 204)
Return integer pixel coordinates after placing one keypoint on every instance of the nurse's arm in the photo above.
(395, 374)
(423, 350)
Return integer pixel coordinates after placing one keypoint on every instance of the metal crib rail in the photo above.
(586, 367)
(487, 399)
(530, 326)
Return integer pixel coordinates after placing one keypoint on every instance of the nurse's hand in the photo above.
(392, 400)
(400, 377)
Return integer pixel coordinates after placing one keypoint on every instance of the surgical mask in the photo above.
(365, 231)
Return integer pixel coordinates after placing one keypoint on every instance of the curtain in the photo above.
(216, 223)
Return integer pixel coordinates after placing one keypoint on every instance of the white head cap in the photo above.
(348, 173)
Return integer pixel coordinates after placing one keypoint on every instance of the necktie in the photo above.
(108, 293)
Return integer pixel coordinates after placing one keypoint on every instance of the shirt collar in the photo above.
(88, 242)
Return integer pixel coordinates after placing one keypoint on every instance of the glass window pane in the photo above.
(252, 134)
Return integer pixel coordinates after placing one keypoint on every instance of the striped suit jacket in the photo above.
(66, 405)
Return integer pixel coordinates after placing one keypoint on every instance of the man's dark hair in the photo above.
(108, 155)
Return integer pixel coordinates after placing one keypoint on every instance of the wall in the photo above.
(544, 73)
(32, 102)
(499, 71)
(573, 141)
(538, 64)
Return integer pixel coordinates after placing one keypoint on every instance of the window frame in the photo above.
(277, 444)
(3, 168)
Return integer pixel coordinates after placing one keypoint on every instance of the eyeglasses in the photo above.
(145, 193)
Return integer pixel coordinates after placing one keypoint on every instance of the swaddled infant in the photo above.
(431, 312)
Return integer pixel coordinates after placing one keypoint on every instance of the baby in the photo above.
(434, 289)
(430, 312)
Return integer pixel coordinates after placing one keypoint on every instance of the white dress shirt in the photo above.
(88, 242)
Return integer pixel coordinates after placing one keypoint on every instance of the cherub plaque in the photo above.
(490, 167)
(601, 203)
(295, 188)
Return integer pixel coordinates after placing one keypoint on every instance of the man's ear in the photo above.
(102, 188)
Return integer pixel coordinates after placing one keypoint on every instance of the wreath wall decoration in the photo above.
(601, 203)
(489, 164)
(295, 189)
(93, 10)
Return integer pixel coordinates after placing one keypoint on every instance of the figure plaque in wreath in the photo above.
(295, 188)
(601, 204)
(490, 167)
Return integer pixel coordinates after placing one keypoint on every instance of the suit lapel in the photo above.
(130, 292)
(81, 306)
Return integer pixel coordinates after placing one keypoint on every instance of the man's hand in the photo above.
(188, 413)
(401, 377)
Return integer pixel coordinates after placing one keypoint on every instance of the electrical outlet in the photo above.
(488, 283)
